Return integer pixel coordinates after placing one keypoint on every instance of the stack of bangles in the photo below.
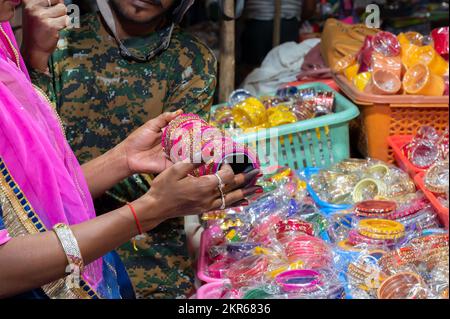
(366, 275)
(356, 239)
(308, 283)
(404, 285)
(408, 210)
(436, 178)
(382, 229)
(179, 138)
(375, 209)
(299, 281)
(313, 251)
(248, 270)
(287, 229)
(241, 250)
(261, 232)
(432, 249)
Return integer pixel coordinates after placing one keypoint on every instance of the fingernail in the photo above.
(259, 191)
(252, 190)
(259, 175)
(245, 203)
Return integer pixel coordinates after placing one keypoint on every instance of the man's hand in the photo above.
(41, 26)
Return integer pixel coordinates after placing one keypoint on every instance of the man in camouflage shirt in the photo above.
(102, 97)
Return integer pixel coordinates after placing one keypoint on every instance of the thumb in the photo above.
(186, 167)
(160, 122)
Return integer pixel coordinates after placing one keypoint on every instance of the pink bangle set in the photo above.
(311, 250)
(303, 280)
(180, 136)
(411, 209)
(248, 269)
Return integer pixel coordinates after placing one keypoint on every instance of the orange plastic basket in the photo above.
(396, 143)
(387, 115)
(440, 209)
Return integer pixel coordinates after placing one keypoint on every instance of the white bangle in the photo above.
(70, 246)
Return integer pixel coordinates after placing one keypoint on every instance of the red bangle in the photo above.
(138, 225)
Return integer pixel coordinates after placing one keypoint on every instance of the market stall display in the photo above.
(301, 127)
(415, 154)
(282, 246)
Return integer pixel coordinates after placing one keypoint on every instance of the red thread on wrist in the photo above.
(138, 224)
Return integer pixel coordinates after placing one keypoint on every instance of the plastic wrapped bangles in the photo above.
(368, 188)
(375, 208)
(299, 280)
(404, 285)
(381, 229)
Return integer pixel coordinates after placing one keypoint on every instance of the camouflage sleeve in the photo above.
(192, 89)
(46, 82)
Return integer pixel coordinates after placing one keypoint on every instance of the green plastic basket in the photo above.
(318, 142)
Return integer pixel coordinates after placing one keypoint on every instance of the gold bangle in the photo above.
(358, 192)
(70, 246)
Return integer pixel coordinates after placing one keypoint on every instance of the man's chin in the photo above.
(140, 15)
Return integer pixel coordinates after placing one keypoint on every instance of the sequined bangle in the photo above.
(70, 246)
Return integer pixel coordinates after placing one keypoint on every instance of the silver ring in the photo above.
(49, 3)
(221, 184)
(220, 187)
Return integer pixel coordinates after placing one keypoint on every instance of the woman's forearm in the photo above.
(29, 262)
(106, 171)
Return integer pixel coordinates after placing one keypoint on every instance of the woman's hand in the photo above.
(175, 193)
(143, 150)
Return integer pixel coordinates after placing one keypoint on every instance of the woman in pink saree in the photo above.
(49, 232)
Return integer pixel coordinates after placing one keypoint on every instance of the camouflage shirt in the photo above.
(101, 98)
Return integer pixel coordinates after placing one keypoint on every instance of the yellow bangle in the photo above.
(381, 236)
(380, 227)
(280, 115)
(249, 113)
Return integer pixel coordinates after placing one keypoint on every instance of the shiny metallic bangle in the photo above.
(70, 246)
(368, 185)
(436, 178)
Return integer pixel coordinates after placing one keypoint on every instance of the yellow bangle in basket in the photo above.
(249, 113)
(280, 115)
(381, 229)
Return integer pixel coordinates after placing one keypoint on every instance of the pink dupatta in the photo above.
(33, 147)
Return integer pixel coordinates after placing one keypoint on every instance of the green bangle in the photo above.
(256, 294)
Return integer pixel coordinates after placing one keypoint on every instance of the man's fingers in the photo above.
(59, 23)
(46, 3)
(56, 11)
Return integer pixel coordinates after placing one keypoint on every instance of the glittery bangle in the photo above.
(70, 246)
